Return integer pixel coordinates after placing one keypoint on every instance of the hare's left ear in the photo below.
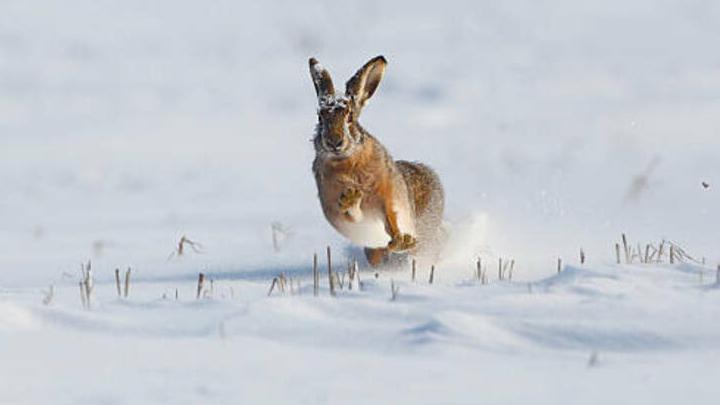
(321, 79)
(363, 85)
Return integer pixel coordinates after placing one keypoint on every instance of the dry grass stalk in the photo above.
(506, 264)
(272, 285)
(432, 274)
(414, 270)
(512, 266)
(83, 298)
(339, 280)
(582, 256)
(393, 290)
(348, 272)
(559, 265)
(500, 268)
(176, 294)
(117, 283)
(127, 282)
(478, 270)
(632, 254)
(672, 254)
(89, 280)
(357, 275)
(200, 285)
(331, 280)
(180, 249)
(660, 251)
(316, 276)
(626, 248)
(86, 285)
(653, 252)
(650, 254)
(208, 293)
(83, 270)
(282, 283)
(717, 275)
(681, 255)
(351, 274)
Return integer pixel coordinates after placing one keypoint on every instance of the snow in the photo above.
(651, 329)
(124, 126)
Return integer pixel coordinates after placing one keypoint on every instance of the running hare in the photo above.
(376, 202)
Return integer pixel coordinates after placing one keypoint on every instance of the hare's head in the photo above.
(338, 133)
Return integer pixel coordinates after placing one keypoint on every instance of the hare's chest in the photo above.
(368, 231)
(352, 202)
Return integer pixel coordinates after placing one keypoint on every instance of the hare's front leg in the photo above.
(399, 241)
(349, 204)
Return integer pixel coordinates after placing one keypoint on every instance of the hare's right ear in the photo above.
(363, 84)
(321, 79)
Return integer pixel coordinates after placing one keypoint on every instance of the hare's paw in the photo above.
(402, 242)
(349, 199)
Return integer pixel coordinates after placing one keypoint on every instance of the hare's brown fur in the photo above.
(384, 205)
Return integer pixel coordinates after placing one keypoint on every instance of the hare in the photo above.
(384, 205)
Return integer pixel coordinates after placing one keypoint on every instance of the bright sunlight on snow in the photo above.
(143, 143)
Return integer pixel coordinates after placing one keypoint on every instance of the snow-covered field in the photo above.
(554, 126)
(606, 335)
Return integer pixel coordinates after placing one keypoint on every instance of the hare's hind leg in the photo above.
(376, 256)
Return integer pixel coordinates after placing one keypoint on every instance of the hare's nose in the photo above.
(335, 141)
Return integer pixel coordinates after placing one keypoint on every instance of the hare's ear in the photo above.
(362, 86)
(321, 79)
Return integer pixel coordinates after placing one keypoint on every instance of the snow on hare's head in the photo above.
(338, 133)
